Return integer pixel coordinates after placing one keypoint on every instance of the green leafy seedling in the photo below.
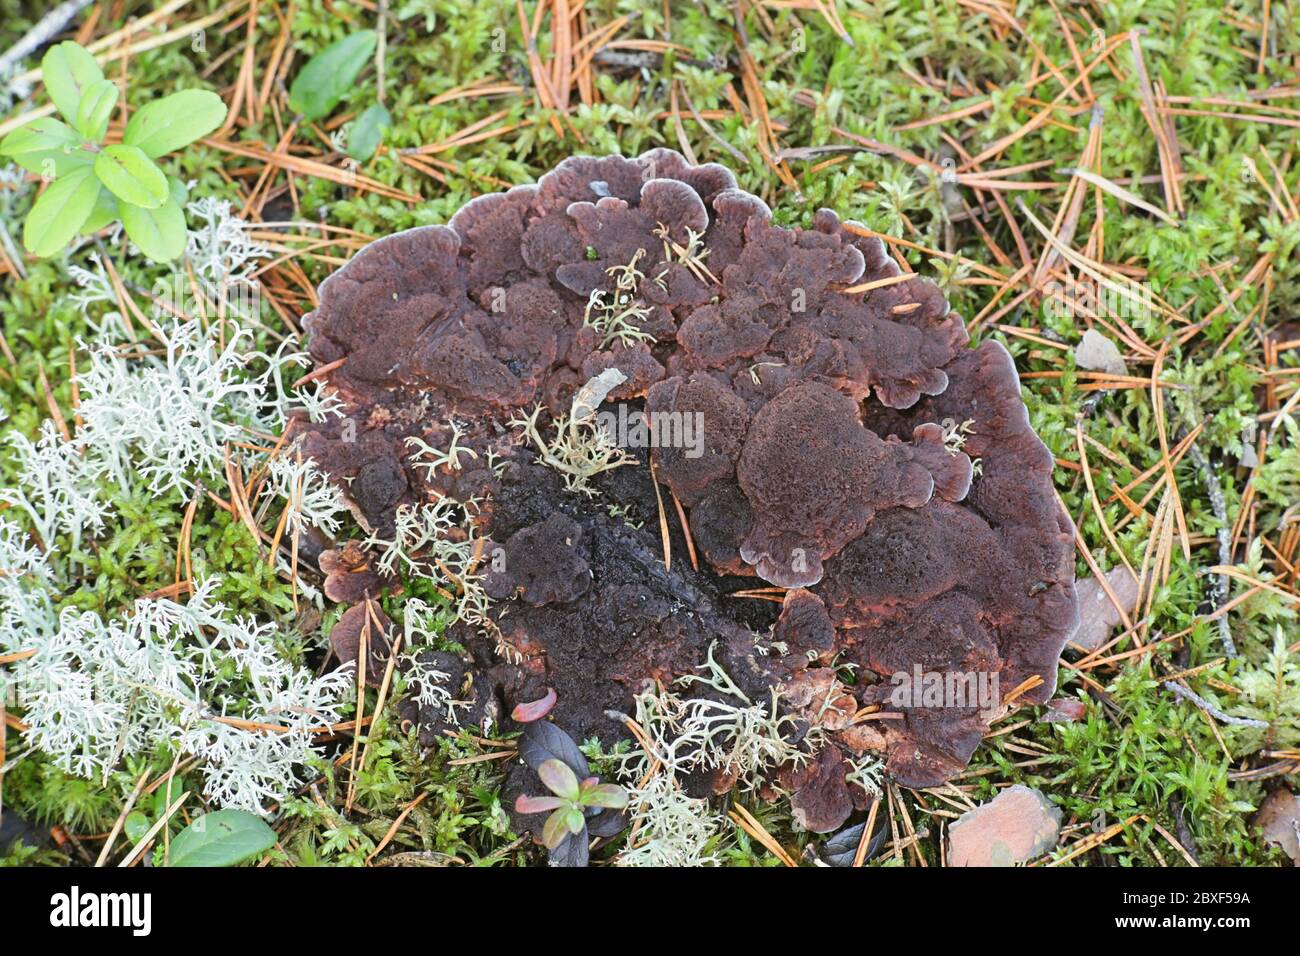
(91, 183)
(329, 75)
(569, 802)
(222, 838)
(367, 132)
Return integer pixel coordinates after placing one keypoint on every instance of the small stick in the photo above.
(747, 822)
(153, 831)
(392, 831)
(35, 38)
(865, 841)
(686, 530)
(319, 372)
(121, 817)
(384, 685)
(1180, 691)
(663, 519)
(1219, 588)
(363, 651)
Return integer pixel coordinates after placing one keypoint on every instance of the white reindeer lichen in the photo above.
(167, 418)
(668, 827)
(312, 499)
(190, 676)
(681, 736)
(57, 485)
(741, 740)
(218, 244)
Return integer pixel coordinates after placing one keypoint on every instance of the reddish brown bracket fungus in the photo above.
(824, 431)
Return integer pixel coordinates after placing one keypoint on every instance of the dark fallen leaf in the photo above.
(543, 740)
(605, 823)
(572, 851)
(843, 846)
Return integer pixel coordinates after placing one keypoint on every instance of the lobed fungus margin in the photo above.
(855, 456)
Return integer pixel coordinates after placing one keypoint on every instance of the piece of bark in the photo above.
(1014, 827)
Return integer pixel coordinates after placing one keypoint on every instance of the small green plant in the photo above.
(221, 838)
(581, 806)
(327, 78)
(329, 75)
(93, 183)
(571, 799)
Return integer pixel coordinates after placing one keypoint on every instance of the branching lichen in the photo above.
(310, 497)
(668, 828)
(579, 449)
(686, 734)
(431, 459)
(616, 315)
(192, 676)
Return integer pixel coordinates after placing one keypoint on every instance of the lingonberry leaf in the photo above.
(131, 176)
(159, 233)
(174, 121)
(60, 211)
(95, 110)
(47, 147)
(105, 211)
(68, 71)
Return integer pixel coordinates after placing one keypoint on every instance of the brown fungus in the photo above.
(846, 445)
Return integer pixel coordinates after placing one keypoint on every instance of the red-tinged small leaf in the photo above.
(535, 710)
(527, 804)
(574, 820)
(607, 795)
(555, 829)
(559, 779)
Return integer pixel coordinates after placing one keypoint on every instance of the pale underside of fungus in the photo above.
(855, 458)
